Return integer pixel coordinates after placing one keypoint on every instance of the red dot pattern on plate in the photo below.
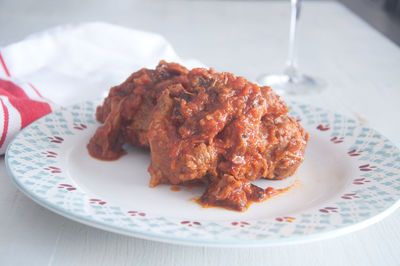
(350, 196)
(241, 224)
(56, 139)
(66, 187)
(337, 140)
(49, 154)
(328, 209)
(134, 213)
(80, 126)
(354, 153)
(360, 181)
(97, 201)
(53, 169)
(190, 223)
(323, 127)
(285, 219)
(367, 168)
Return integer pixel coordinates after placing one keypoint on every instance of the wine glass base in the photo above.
(286, 85)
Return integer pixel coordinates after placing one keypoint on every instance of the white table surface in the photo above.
(360, 66)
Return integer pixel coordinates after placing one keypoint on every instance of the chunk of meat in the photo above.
(202, 126)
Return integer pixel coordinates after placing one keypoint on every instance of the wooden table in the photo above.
(360, 66)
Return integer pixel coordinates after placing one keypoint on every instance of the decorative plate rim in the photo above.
(300, 239)
(176, 239)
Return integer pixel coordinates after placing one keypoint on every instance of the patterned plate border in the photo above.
(33, 162)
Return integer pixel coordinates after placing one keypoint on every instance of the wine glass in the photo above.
(291, 81)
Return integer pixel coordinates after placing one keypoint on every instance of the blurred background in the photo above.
(383, 15)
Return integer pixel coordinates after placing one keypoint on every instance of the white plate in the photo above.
(350, 179)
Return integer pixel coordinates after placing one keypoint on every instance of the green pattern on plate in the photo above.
(34, 160)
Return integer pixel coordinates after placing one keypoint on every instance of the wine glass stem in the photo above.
(291, 68)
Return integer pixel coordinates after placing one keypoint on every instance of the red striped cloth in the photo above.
(69, 64)
(21, 103)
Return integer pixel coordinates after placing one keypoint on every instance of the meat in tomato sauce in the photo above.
(201, 125)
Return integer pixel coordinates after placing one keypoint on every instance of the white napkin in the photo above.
(70, 64)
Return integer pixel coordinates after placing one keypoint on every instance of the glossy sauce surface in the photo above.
(201, 125)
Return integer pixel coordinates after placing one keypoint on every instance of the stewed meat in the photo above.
(201, 125)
